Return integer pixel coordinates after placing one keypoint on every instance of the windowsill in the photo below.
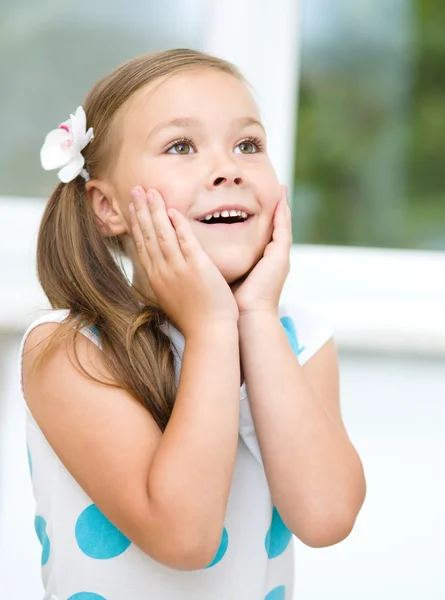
(376, 299)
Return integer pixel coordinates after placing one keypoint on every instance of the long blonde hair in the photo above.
(79, 268)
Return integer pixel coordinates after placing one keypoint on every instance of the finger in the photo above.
(283, 220)
(288, 215)
(284, 194)
(285, 199)
(146, 226)
(163, 228)
(190, 247)
(139, 239)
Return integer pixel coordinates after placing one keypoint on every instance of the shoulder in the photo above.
(60, 352)
(306, 330)
(39, 333)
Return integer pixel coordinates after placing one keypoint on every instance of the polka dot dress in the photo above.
(85, 557)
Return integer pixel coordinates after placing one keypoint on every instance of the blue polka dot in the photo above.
(278, 536)
(97, 537)
(278, 593)
(40, 527)
(292, 336)
(221, 550)
(86, 596)
(29, 460)
(94, 330)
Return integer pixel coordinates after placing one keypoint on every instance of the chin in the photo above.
(232, 273)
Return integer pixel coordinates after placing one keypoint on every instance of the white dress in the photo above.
(85, 557)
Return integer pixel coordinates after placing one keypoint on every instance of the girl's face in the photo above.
(196, 138)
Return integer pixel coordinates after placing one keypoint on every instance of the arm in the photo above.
(315, 474)
(166, 492)
(191, 474)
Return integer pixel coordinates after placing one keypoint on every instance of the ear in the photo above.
(109, 217)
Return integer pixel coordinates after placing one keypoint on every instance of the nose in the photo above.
(225, 180)
(225, 173)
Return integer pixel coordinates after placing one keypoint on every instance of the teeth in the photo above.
(226, 214)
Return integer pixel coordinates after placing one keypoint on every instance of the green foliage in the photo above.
(371, 135)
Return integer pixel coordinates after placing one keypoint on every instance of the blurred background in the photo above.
(352, 93)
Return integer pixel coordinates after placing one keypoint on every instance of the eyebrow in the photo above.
(184, 122)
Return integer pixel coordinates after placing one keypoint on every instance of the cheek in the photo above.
(268, 210)
(135, 170)
(176, 194)
(268, 193)
(269, 178)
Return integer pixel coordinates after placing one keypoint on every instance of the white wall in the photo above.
(394, 409)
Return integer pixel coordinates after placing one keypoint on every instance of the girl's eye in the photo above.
(185, 146)
(182, 147)
(250, 146)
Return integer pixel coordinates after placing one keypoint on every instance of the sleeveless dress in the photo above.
(85, 557)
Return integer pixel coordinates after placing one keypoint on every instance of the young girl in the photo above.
(175, 441)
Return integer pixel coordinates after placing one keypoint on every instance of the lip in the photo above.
(226, 207)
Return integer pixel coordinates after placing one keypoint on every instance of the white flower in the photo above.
(63, 147)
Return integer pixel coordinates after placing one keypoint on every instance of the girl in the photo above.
(176, 443)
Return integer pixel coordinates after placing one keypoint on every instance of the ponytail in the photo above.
(77, 271)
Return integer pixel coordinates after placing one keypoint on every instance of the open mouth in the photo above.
(226, 218)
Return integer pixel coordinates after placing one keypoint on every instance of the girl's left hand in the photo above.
(261, 290)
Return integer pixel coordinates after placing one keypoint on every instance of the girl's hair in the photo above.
(81, 270)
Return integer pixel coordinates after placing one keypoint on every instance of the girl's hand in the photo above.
(187, 284)
(261, 290)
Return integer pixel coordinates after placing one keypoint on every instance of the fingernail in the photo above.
(136, 192)
(150, 196)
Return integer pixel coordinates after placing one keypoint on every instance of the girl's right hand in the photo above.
(188, 286)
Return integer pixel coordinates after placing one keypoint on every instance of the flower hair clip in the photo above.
(63, 148)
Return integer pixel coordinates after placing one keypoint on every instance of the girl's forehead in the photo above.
(193, 92)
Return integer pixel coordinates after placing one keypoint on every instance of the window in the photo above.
(371, 124)
(52, 53)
